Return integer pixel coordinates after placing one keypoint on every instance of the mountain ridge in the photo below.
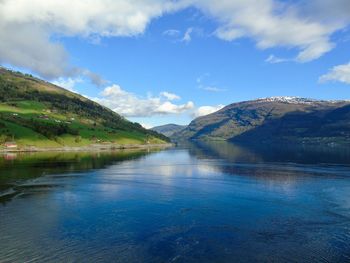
(234, 121)
(168, 129)
(296, 100)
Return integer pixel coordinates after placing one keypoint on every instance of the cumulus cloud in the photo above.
(94, 78)
(131, 105)
(340, 73)
(67, 83)
(87, 17)
(30, 30)
(82, 75)
(29, 46)
(170, 96)
(274, 23)
(27, 28)
(331, 11)
(205, 110)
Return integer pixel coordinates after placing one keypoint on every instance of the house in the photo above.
(10, 145)
(45, 117)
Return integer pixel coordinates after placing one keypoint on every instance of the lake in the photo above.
(200, 202)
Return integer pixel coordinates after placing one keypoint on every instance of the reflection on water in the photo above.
(275, 161)
(201, 202)
(300, 154)
(17, 170)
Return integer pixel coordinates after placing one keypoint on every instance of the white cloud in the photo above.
(67, 83)
(212, 89)
(93, 77)
(339, 73)
(30, 30)
(130, 105)
(146, 125)
(170, 96)
(187, 36)
(274, 23)
(171, 33)
(27, 28)
(205, 110)
(29, 46)
(70, 82)
(87, 17)
(168, 107)
(274, 60)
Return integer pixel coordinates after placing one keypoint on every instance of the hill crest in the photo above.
(234, 121)
(37, 113)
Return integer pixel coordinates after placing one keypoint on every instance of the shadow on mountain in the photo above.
(321, 127)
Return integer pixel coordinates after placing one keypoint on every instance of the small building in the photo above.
(45, 117)
(10, 145)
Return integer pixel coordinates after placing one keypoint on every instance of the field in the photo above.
(36, 113)
(32, 123)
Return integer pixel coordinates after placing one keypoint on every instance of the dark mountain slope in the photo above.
(169, 129)
(264, 119)
(323, 126)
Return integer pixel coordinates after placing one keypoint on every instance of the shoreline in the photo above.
(89, 148)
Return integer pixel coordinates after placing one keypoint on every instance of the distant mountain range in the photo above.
(37, 113)
(276, 119)
(169, 129)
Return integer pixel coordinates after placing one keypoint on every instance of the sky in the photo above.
(164, 61)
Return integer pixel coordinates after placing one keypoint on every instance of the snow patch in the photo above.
(297, 100)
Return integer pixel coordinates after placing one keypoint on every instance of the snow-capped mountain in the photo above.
(274, 118)
(297, 100)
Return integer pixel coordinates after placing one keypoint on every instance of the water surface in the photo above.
(200, 202)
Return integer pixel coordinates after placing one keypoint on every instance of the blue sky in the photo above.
(159, 62)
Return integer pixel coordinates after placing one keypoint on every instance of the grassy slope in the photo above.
(37, 113)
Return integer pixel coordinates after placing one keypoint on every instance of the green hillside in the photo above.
(37, 113)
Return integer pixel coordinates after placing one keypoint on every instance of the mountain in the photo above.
(276, 119)
(169, 129)
(37, 113)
